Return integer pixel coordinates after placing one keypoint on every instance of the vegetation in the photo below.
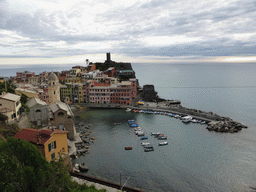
(23, 168)
(8, 130)
(8, 86)
(23, 100)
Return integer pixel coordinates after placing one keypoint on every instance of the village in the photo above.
(47, 118)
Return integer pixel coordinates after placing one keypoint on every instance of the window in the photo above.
(61, 114)
(52, 146)
(53, 156)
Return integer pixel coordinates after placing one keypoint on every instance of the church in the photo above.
(55, 114)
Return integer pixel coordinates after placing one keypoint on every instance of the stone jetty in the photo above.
(215, 123)
(226, 126)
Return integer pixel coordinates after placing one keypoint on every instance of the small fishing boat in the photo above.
(144, 144)
(128, 148)
(155, 133)
(83, 167)
(117, 123)
(162, 138)
(134, 125)
(163, 143)
(194, 120)
(128, 110)
(140, 133)
(149, 149)
(143, 138)
(186, 119)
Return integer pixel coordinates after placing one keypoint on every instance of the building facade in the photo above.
(10, 106)
(51, 143)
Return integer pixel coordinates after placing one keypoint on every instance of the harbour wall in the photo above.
(103, 182)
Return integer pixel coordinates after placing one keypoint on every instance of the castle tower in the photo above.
(53, 88)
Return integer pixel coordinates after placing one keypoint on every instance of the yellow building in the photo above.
(51, 143)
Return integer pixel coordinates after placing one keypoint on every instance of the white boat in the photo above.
(155, 133)
(163, 143)
(140, 133)
(128, 110)
(186, 119)
(138, 129)
(144, 144)
(194, 121)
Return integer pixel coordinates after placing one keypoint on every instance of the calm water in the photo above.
(195, 159)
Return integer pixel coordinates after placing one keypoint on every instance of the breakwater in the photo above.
(214, 121)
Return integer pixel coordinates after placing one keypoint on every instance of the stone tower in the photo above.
(53, 88)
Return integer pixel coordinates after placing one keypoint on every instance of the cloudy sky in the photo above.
(70, 31)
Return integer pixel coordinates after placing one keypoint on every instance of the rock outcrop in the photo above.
(226, 126)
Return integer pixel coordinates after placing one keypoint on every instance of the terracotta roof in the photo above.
(38, 137)
(101, 84)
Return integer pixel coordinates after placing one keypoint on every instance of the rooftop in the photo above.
(10, 97)
(36, 136)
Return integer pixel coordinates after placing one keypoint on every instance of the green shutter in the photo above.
(49, 146)
(54, 144)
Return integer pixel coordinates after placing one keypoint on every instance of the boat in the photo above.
(117, 123)
(155, 133)
(144, 144)
(163, 143)
(159, 135)
(131, 121)
(194, 120)
(128, 110)
(162, 138)
(83, 167)
(149, 149)
(134, 125)
(143, 138)
(140, 133)
(128, 148)
(148, 146)
(76, 168)
(177, 116)
(186, 119)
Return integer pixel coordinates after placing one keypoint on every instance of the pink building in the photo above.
(121, 94)
(21, 77)
(99, 93)
(44, 95)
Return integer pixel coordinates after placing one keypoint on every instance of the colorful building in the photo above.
(51, 143)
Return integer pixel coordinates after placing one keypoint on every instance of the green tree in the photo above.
(22, 167)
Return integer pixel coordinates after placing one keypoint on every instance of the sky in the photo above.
(65, 31)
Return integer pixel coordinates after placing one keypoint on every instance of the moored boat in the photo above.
(149, 149)
(83, 167)
(155, 133)
(162, 138)
(128, 110)
(186, 119)
(163, 143)
(128, 148)
(144, 144)
(143, 138)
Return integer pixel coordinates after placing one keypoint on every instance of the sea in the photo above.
(195, 159)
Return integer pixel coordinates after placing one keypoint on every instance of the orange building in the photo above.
(51, 143)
